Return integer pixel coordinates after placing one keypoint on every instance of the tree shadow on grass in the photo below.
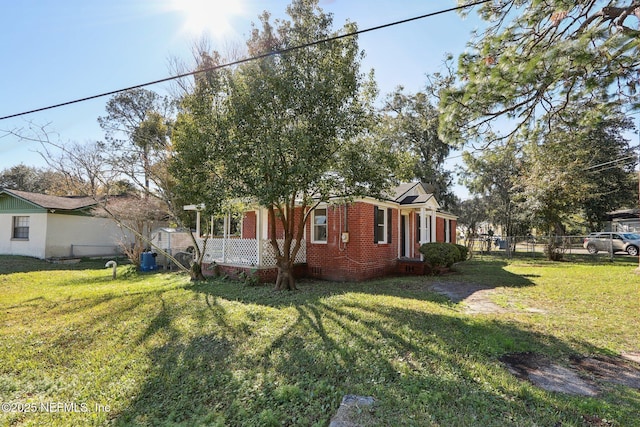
(289, 361)
(10, 264)
(477, 276)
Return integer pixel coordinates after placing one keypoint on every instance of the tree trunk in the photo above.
(196, 272)
(286, 279)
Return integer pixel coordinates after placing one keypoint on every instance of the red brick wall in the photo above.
(249, 223)
(279, 227)
(454, 234)
(360, 258)
(439, 229)
(265, 275)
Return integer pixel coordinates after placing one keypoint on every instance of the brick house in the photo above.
(353, 241)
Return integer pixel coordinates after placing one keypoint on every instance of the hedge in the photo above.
(438, 255)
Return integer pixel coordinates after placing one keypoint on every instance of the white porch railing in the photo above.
(245, 252)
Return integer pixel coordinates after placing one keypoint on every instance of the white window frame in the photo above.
(385, 224)
(314, 238)
(22, 222)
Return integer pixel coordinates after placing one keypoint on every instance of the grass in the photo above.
(155, 349)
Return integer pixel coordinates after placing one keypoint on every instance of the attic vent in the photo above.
(316, 271)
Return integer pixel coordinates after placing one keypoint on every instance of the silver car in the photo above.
(612, 242)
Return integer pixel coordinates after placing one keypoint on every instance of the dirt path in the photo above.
(474, 297)
(579, 376)
(583, 376)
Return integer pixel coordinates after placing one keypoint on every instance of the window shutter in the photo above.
(389, 231)
(451, 231)
(375, 224)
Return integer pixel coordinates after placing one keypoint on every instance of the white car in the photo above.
(612, 242)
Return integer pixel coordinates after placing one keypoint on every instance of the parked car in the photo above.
(612, 242)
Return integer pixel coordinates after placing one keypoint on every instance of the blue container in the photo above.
(148, 261)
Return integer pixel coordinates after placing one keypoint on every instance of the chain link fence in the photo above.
(604, 246)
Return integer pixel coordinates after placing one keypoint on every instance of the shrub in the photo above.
(464, 252)
(439, 255)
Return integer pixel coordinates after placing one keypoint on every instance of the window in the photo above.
(427, 235)
(233, 226)
(381, 225)
(20, 227)
(319, 231)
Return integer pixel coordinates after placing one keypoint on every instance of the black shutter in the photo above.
(389, 231)
(375, 224)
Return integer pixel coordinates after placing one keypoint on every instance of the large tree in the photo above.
(494, 174)
(43, 180)
(410, 124)
(137, 128)
(199, 138)
(536, 58)
(26, 178)
(292, 127)
(577, 170)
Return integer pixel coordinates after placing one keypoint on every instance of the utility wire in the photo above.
(608, 163)
(252, 58)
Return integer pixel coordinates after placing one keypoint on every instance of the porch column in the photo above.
(423, 229)
(198, 224)
(423, 226)
(433, 226)
(259, 236)
(399, 230)
(224, 237)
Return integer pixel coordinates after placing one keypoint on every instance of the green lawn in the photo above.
(155, 349)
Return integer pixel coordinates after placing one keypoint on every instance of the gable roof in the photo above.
(404, 189)
(46, 201)
(411, 193)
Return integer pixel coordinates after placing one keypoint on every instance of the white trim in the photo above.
(423, 226)
(447, 230)
(326, 225)
(259, 252)
(385, 224)
(434, 226)
(446, 215)
(376, 202)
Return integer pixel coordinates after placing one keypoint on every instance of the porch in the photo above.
(255, 253)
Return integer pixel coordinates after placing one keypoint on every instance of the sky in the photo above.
(54, 52)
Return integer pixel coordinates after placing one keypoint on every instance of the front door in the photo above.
(404, 234)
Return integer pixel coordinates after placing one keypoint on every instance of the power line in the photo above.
(610, 162)
(252, 58)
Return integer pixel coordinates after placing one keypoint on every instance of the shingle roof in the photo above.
(404, 195)
(401, 190)
(53, 202)
(421, 198)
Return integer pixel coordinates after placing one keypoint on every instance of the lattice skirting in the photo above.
(244, 252)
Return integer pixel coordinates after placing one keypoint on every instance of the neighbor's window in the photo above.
(319, 226)
(20, 227)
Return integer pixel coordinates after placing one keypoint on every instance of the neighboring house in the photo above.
(43, 226)
(625, 220)
(357, 240)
